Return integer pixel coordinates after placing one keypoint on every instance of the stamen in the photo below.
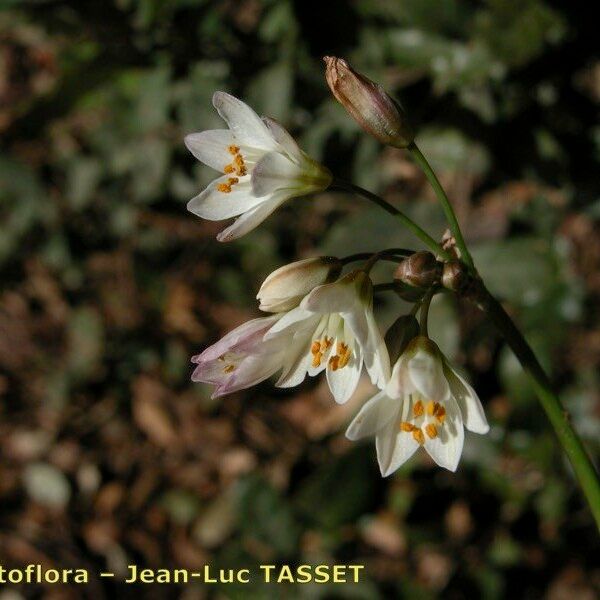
(334, 363)
(418, 409)
(327, 341)
(317, 357)
(431, 430)
(440, 414)
(406, 426)
(228, 169)
(430, 408)
(240, 166)
(232, 180)
(344, 353)
(418, 436)
(233, 149)
(225, 188)
(316, 347)
(228, 368)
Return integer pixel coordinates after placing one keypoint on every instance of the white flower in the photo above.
(241, 359)
(426, 403)
(334, 329)
(262, 167)
(284, 288)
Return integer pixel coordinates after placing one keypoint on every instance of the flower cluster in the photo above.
(321, 318)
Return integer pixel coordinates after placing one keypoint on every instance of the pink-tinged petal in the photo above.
(242, 339)
(253, 218)
(216, 205)
(375, 414)
(446, 447)
(211, 147)
(468, 401)
(245, 124)
(251, 371)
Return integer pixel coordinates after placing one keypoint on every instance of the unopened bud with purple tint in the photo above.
(368, 103)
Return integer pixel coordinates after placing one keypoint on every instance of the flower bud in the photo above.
(374, 110)
(420, 269)
(400, 334)
(284, 288)
(454, 276)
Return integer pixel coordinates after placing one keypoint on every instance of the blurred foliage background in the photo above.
(110, 456)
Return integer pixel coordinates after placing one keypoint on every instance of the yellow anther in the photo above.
(327, 342)
(345, 358)
(228, 169)
(406, 426)
(233, 149)
(418, 436)
(440, 414)
(224, 187)
(316, 347)
(317, 357)
(228, 368)
(232, 180)
(334, 363)
(431, 430)
(418, 409)
(430, 408)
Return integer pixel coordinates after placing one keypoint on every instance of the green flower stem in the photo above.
(445, 202)
(558, 416)
(424, 316)
(404, 219)
(392, 255)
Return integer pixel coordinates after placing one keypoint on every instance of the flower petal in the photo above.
(210, 147)
(377, 359)
(339, 297)
(374, 415)
(342, 382)
(394, 448)
(446, 447)
(275, 171)
(426, 374)
(252, 218)
(251, 371)
(281, 135)
(245, 124)
(243, 338)
(214, 205)
(297, 362)
(284, 288)
(468, 401)
(297, 318)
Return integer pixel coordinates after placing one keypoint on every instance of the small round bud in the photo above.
(454, 276)
(374, 110)
(420, 269)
